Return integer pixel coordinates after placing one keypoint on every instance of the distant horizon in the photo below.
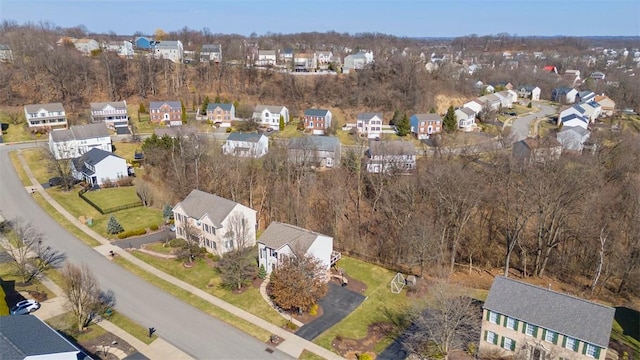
(400, 18)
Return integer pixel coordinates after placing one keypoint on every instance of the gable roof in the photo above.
(4, 47)
(279, 234)
(98, 106)
(563, 90)
(368, 116)
(568, 315)
(26, 336)
(427, 117)
(93, 157)
(579, 130)
(81, 132)
(168, 44)
(211, 48)
(319, 143)
(573, 116)
(225, 107)
(316, 112)
(48, 107)
(467, 111)
(158, 104)
(248, 137)
(199, 204)
(272, 108)
(391, 148)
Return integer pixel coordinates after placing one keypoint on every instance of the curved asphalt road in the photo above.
(189, 329)
(520, 126)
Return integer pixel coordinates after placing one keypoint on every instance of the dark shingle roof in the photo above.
(199, 203)
(568, 315)
(319, 143)
(225, 107)
(315, 112)
(428, 117)
(279, 234)
(248, 137)
(25, 336)
(99, 106)
(210, 48)
(158, 104)
(391, 148)
(92, 157)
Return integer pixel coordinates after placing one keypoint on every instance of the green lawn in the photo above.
(8, 274)
(112, 197)
(67, 325)
(60, 219)
(379, 295)
(307, 355)
(127, 150)
(204, 277)
(38, 162)
(131, 327)
(160, 248)
(196, 301)
(18, 132)
(290, 131)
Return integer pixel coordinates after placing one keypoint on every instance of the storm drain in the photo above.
(269, 350)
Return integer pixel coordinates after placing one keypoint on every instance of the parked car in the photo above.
(25, 307)
(55, 181)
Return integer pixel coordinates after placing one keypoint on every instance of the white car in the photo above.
(25, 307)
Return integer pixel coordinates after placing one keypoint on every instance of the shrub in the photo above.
(125, 181)
(177, 243)
(153, 227)
(292, 326)
(130, 233)
(529, 105)
(364, 356)
(262, 272)
(314, 310)
(215, 257)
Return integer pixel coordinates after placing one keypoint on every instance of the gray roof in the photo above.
(248, 137)
(319, 143)
(427, 117)
(225, 107)
(577, 129)
(98, 106)
(167, 45)
(158, 104)
(568, 315)
(48, 107)
(199, 204)
(316, 112)
(6, 47)
(368, 116)
(272, 108)
(25, 336)
(468, 111)
(266, 52)
(92, 157)
(279, 234)
(562, 90)
(81, 132)
(210, 48)
(391, 148)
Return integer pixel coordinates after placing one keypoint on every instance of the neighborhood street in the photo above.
(187, 328)
(521, 125)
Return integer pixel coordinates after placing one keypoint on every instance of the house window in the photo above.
(508, 344)
(228, 244)
(570, 343)
(591, 351)
(493, 317)
(512, 323)
(531, 330)
(551, 336)
(491, 337)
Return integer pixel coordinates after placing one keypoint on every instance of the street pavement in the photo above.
(520, 126)
(185, 327)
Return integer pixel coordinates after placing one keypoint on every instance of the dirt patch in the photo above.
(351, 283)
(98, 348)
(351, 348)
(256, 283)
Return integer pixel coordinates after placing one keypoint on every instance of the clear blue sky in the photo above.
(419, 18)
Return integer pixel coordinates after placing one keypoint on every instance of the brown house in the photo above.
(168, 113)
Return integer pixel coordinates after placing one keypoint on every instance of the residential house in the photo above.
(324, 57)
(6, 55)
(488, 89)
(598, 75)
(574, 116)
(525, 321)
(573, 138)
(122, 48)
(168, 113)
(281, 240)
(391, 157)
(564, 95)
(316, 151)
(303, 62)
(317, 121)
(170, 50)
(476, 105)
(529, 92)
(585, 96)
(537, 150)
(608, 106)
(503, 85)
(144, 43)
(592, 110)
(369, 124)
(246, 145)
(45, 116)
(269, 115)
(266, 58)
(424, 125)
(211, 53)
(507, 98)
(113, 114)
(491, 102)
(466, 118)
(218, 224)
(98, 166)
(285, 56)
(221, 114)
(86, 46)
(550, 69)
(28, 337)
(355, 62)
(78, 140)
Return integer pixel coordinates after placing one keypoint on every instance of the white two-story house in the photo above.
(170, 50)
(45, 116)
(369, 124)
(78, 140)
(269, 115)
(218, 224)
(113, 114)
(246, 145)
(97, 166)
(391, 157)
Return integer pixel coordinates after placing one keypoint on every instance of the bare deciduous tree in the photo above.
(84, 297)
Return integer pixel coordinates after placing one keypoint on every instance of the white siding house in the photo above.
(369, 124)
(78, 140)
(281, 240)
(220, 225)
(246, 145)
(98, 166)
(113, 114)
(466, 119)
(394, 157)
(170, 50)
(269, 115)
(45, 116)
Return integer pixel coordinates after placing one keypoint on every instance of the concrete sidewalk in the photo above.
(292, 345)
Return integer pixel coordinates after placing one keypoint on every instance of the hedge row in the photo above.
(129, 233)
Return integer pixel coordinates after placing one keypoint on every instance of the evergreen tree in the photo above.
(113, 226)
(281, 126)
(166, 212)
(450, 121)
(184, 111)
(217, 100)
(142, 109)
(432, 110)
(203, 108)
(396, 117)
(403, 127)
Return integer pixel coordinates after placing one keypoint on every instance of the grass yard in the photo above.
(307, 355)
(379, 295)
(127, 150)
(204, 277)
(37, 161)
(67, 325)
(131, 327)
(196, 301)
(112, 197)
(15, 133)
(290, 131)
(160, 248)
(8, 276)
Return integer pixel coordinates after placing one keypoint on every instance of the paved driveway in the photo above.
(336, 305)
(145, 239)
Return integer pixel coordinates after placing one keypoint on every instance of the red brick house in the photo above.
(317, 120)
(168, 113)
